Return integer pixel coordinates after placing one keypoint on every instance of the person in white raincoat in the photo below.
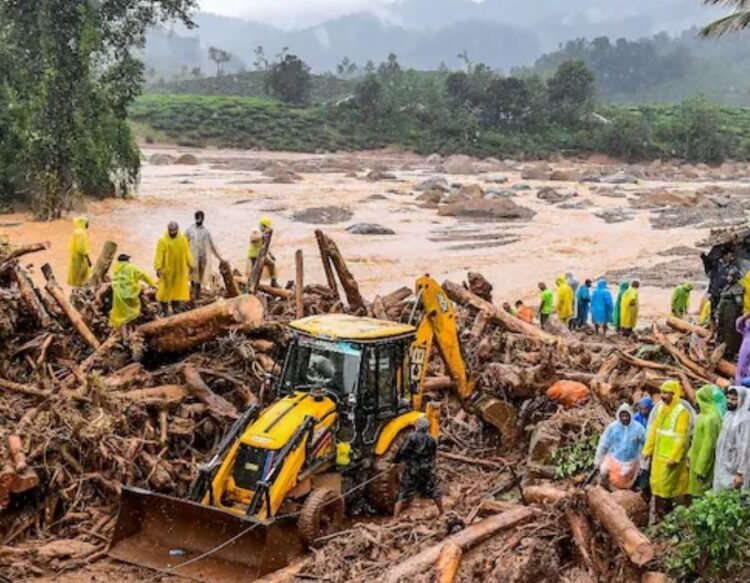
(619, 451)
(202, 248)
(733, 448)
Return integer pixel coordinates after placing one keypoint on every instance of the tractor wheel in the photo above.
(383, 490)
(322, 514)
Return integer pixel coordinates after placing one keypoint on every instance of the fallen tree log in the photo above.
(633, 504)
(277, 292)
(686, 361)
(581, 531)
(31, 299)
(544, 494)
(103, 263)
(225, 269)
(25, 477)
(23, 389)
(73, 315)
(26, 250)
(163, 395)
(199, 389)
(260, 263)
(463, 296)
(187, 330)
(465, 540)
(725, 367)
(348, 282)
(299, 284)
(614, 518)
(327, 267)
(448, 563)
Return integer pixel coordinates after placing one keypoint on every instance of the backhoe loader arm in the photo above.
(439, 326)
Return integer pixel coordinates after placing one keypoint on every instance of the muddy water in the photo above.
(233, 198)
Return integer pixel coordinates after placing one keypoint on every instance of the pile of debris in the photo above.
(83, 414)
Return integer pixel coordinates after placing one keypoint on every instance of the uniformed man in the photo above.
(418, 452)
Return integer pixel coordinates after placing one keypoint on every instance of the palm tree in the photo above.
(737, 21)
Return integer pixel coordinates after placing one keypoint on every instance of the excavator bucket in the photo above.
(199, 542)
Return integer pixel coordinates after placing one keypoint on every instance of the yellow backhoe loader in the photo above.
(282, 477)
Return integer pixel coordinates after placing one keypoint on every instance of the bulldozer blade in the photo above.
(199, 542)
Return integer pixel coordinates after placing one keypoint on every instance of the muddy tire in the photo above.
(322, 514)
(382, 492)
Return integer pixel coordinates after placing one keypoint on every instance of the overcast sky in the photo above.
(287, 12)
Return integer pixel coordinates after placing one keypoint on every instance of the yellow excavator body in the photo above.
(350, 389)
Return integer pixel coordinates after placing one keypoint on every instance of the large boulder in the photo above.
(538, 171)
(471, 191)
(431, 196)
(565, 176)
(550, 195)
(378, 174)
(433, 183)
(369, 229)
(459, 164)
(502, 209)
(161, 159)
(187, 160)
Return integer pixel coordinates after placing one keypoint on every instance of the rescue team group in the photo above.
(666, 449)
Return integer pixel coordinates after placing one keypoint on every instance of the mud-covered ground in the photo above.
(589, 228)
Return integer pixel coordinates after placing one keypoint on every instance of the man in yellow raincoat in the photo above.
(126, 293)
(667, 446)
(564, 301)
(79, 263)
(256, 242)
(629, 309)
(172, 265)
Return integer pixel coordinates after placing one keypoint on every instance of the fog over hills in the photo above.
(423, 33)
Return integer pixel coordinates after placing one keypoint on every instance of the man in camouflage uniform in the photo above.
(418, 453)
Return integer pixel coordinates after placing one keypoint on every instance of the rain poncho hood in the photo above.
(564, 299)
(624, 285)
(619, 451)
(702, 451)
(667, 442)
(640, 417)
(126, 293)
(174, 260)
(720, 400)
(601, 303)
(629, 309)
(733, 446)
(78, 250)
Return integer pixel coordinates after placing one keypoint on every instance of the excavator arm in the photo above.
(439, 327)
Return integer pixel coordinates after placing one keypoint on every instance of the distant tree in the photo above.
(698, 129)
(506, 102)
(458, 87)
(466, 60)
(368, 96)
(738, 20)
(571, 92)
(219, 57)
(390, 70)
(289, 80)
(261, 62)
(369, 67)
(346, 68)
(196, 72)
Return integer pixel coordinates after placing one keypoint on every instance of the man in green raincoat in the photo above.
(667, 445)
(681, 300)
(703, 449)
(624, 285)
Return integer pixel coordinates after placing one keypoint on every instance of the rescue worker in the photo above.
(720, 400)
(126, 293)
(564, 301)
(727, 312)
(629, 309)
(418, 452)
(79, 262)
(524, 312)
(202, 248)
(666, 447)
(573, 283)
(702, 451)
(618, 454)
(743, 361)
(733, 447)
(583, 302)
(718, 276)
(704, 313)
(601, 306)
(172, 265)
(624, 285)
(681, 300)
(643, 410)
(546, 304)
(256, 242)
(509, 309)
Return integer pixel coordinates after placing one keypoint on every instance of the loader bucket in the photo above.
(162, 533)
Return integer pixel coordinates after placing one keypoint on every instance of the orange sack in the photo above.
(568, 393)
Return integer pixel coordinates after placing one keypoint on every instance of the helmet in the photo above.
(265, 222)
(422, 424)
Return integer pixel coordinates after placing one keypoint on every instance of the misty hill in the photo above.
(426, 33)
